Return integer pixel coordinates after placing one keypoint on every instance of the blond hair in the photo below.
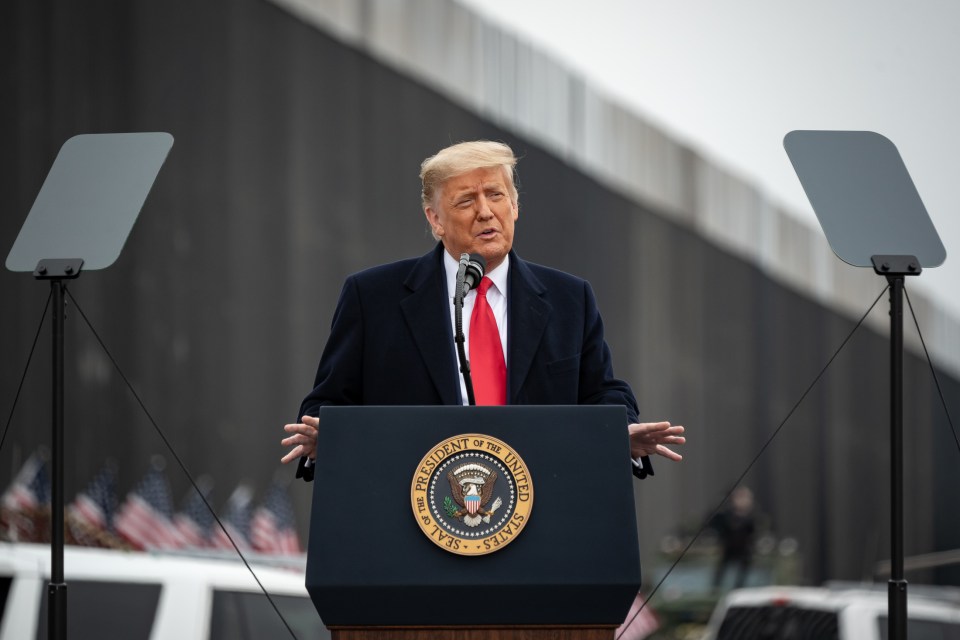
(461, 158)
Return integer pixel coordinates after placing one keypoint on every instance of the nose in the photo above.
(483, 208)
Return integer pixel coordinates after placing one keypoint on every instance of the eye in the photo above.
(463, 204)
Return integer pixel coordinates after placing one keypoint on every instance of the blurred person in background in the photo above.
(735, 526)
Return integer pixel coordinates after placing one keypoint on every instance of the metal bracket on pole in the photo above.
(58, 268)
(896, 265)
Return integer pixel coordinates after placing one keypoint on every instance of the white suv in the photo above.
(145, 596)
(839, 612)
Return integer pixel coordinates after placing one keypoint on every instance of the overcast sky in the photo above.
(732, 77)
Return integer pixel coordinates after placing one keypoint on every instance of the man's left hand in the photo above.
(649, 438)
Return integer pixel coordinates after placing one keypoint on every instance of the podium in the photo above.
(563, 564)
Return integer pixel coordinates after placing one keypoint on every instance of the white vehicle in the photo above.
(838, 612)
(152, 596)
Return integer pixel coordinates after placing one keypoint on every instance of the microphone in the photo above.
(474, 266)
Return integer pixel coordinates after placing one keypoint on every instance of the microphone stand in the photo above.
(458, 321)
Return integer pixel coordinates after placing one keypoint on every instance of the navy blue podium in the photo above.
(374, 570)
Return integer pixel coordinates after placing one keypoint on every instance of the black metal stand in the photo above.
(896, 268)
(56, 271)
(864, 198)
(459, 337)
(111, 175)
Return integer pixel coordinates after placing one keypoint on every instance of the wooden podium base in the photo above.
(473, 633)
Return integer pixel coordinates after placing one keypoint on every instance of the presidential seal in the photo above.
(471, 494)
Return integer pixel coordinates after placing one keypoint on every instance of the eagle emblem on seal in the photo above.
(472, 488)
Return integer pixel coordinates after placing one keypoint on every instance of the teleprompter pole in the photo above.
(895, 268)
(897, 586)
(56, 271)
(57, 589)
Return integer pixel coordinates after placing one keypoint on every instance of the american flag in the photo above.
(638, 625)
(30, 489)
(145, 518)
(239, 511)
(95, 506)
(273, 529)
(195, 520)
(25, 505)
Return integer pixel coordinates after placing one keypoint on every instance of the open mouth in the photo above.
(487, 233)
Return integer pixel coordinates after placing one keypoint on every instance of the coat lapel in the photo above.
(428, 319)
(528, 315)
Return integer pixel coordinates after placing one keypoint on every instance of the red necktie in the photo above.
(487, 366)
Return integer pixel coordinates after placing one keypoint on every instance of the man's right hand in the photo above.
(303, 439)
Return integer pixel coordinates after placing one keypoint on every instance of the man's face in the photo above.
(474, 213)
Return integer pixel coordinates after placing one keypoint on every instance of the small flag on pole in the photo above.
(239, 511)
(25, 505)
(95, 506)
(30, 489)
(145, 518)
(89, 517)
(273, 529)
(195, 521)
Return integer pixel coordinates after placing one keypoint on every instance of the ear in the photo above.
(433, 219)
